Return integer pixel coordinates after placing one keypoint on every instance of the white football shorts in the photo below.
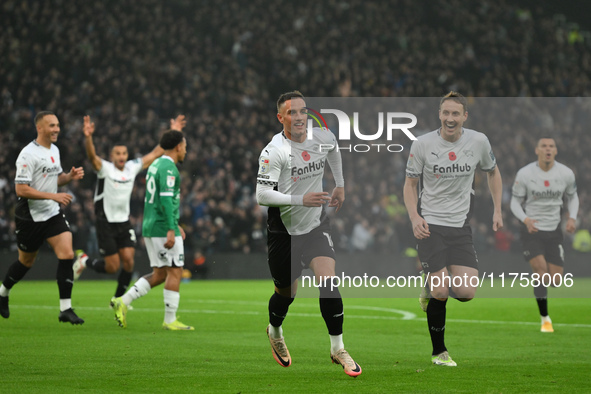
(160, 256)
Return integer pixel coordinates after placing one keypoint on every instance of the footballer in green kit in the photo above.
(161, 205)
(162, 234)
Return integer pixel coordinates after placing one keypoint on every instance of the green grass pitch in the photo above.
(496, 343)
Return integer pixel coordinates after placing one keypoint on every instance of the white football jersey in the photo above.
(543, 192)
(296, 169)
(447, 170)
(38, 167)
(113, 189)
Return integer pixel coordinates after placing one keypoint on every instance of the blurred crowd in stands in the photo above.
(134, 65)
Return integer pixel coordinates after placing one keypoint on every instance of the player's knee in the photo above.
(112, 264)
(27, 259)
(111, 267)
(464, 294)
(66, 256)
(128, 265)
(63, 251)
(156, 278)
(288, 292)
(126, 257)
(440, 293)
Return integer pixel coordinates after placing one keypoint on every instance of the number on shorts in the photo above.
(132, 235)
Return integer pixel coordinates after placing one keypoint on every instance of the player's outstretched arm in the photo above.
(420, 228)
(177, 124)
(150, 157)
(88, 129)
(495, 184)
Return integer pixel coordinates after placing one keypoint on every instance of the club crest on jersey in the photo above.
(170, 181)
(264, 165)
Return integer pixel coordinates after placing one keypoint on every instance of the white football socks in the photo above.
(336, 343)
(171, 304)
(65, 303)
(4, 292)
(275, 332)
(139, 289)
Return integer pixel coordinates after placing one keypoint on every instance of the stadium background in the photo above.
(133, 65)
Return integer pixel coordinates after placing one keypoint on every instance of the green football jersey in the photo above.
(161, 205)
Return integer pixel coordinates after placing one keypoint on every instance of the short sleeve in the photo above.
(415, 163)
(487, 162)
(24, 169)
(102, 173)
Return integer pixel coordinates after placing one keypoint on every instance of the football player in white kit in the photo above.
(289, 182)
(38, 216)
(115, 180)
(445, 161)
(541, 185)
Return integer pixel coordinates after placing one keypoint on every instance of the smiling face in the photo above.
(294, 117)
(48, 129)
(452, 116)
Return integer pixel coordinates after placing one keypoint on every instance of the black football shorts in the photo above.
(546, 243)
(447, 246)
(114, 236)
(289, 255)
(30, 234)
